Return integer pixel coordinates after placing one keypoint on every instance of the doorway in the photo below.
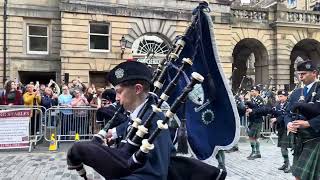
(33, 76)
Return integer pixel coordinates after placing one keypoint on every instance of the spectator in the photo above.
(42, 89)
(108, 97)
(316, 7)
(20, 87)
(79, 99)
(10, 95)
(76, 85)
(32, 98)
(64, 100)
(96, 102)
(49, 99)
(89, 94)
(55, 87)
(80, 115)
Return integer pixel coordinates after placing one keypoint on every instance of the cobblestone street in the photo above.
(41, 164)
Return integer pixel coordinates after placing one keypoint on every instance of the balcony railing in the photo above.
(308, 17)
(251, 14)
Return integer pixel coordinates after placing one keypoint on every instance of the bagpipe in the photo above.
(210, 105)
(307, 110)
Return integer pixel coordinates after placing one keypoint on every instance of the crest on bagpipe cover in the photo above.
(197, 97)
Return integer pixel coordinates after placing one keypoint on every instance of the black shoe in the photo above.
(223, 167)
(250, 156)
(254, 156)
(287, 169)
(258, 155)
(233, 149)
(282, 167)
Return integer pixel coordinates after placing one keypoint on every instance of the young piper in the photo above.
(284, 141)
(255, 110)
(132, 82)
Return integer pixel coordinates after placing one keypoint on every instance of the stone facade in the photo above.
(272, 37)
(20, 15)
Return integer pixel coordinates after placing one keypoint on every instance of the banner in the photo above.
(212, 118)
(14, 128)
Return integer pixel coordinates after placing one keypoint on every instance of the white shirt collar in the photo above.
(134, 114)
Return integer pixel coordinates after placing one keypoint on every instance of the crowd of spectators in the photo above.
(74, 94)
(68, 97)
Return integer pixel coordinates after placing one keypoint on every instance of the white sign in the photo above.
(245, 1)
(14, 128)
(155, 61)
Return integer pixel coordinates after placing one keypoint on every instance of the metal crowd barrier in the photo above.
(266, 130)
(35, 124)
(67, 123)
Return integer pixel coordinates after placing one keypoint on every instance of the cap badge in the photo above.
(283, 92)
(119, 73)
(308, 66)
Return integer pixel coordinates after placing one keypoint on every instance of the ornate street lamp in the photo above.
(123, 45)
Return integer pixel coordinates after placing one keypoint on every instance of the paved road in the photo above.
(44, 165)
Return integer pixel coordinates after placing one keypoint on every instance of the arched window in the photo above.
(151, 45)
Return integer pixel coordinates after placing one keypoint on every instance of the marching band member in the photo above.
(255, 110)
(305, 124)
(284, 140)
(132, 84)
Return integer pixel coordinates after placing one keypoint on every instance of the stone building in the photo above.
(66, 39)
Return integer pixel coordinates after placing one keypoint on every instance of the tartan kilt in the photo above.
(307, 165)
(284, 140)
(254, 129)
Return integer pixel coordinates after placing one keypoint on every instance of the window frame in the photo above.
(98, 34)
(28, 39)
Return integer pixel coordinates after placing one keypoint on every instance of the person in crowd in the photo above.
(10, 95)
(64, 101)
(89, 94)
(79, 99)
(32, 98)
(65, 98)
(80, 114)
(76, 84)
(49, 99)
(54, 87)
(96, 102)
(108, 96)
(42, 89)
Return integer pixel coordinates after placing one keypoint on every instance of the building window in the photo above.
(99, 35)
(37, 40)
(152, 45)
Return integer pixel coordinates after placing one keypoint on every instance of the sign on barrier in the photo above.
(14, 128)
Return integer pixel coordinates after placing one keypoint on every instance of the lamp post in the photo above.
(5, 17)
(123, 45)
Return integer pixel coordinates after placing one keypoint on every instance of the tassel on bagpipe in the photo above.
(140, 156)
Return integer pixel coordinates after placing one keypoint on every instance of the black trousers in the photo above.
(109, 162)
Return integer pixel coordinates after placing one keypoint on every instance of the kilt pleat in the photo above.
(284, 140)
(307, 165)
